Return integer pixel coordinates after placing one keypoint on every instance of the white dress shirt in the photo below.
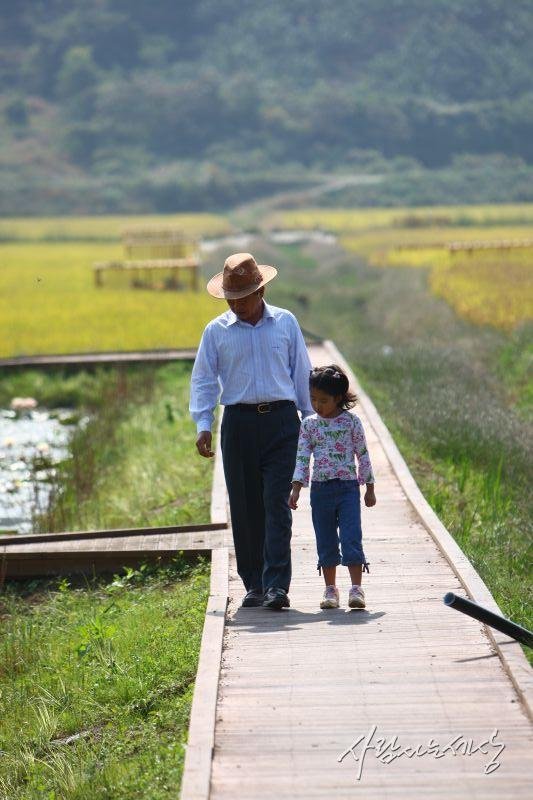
(238, 362)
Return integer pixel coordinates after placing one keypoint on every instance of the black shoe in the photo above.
(276, 598)
(254, 597)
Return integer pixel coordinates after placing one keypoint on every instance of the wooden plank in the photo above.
(91, 358)
(19, 539)
(146, 264)
(200, 743)
(48, 564)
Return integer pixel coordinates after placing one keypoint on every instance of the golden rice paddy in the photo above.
(49, 303)
(106, 228)
(485, 286)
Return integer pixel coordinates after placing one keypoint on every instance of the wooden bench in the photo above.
(154, 252)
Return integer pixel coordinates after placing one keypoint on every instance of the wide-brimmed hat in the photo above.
(242, 275)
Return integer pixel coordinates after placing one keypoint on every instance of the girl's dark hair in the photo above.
(333, 381)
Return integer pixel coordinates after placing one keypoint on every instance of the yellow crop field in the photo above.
(106, 227)
(487, 287)
(348, 220)
(417, 248)
(49, 304)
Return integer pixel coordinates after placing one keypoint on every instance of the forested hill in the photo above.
(169, 102)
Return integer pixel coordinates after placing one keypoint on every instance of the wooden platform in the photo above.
(281, 697)
(109, 358)
(101, 551)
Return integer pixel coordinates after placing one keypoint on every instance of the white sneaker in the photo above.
(331, 598)
(356, 597)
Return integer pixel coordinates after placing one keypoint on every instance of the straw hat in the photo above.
(242, 275)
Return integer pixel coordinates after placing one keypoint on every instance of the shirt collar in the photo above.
(267, 313)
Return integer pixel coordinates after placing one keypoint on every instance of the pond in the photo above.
(32, 443)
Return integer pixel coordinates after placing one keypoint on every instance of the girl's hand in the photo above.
(293, 499)
(370, 497)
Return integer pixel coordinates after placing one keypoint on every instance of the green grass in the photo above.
(111, 659)
(114, 661)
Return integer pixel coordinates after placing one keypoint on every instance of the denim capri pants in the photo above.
(336, 513)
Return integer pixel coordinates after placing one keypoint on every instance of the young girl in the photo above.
(334, 437)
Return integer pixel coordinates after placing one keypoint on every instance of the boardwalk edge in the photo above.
(510, 652)
(196, 778)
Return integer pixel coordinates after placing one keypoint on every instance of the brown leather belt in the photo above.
(262, 408)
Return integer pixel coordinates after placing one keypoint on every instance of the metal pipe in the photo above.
(490, 618)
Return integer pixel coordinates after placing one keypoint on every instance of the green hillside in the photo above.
(135, 105)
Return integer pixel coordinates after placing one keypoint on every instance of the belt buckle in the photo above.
(264, 408)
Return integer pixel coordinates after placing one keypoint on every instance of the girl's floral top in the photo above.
(334, 443)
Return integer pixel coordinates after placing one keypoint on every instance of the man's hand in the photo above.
(370, 497)
(203, 444)
(294, 495)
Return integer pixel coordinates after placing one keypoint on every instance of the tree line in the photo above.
(125, 87)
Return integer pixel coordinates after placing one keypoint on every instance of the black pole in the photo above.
(490, 618)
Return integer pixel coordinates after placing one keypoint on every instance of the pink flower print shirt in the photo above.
(334, 444)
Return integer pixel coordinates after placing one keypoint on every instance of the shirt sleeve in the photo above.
(205, 388)
(300, 368)
(365, 472)
(303, 455)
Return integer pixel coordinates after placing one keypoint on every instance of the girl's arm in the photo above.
(365, 472)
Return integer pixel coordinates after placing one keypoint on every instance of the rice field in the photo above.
(49, 303)
(486, 287)
(345, 220)
(105, 228)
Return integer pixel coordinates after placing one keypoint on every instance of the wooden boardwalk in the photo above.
(282, 698)
(293, 704)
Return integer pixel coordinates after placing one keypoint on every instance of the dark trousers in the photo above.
(259, 456)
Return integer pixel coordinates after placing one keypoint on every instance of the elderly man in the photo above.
(255, 353)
